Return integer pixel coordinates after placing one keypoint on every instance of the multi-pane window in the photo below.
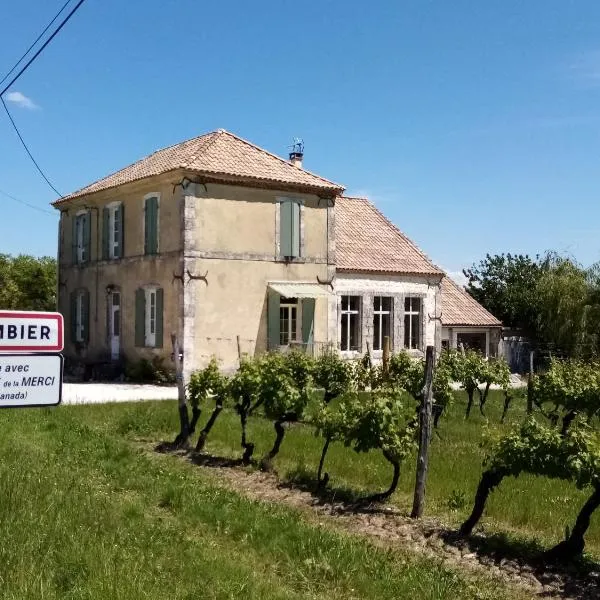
(288, 321)
(149, 302)
(112, 234)
(412, 323)
(81, 238)
(289, 228)
(150, 317)
(382, 320)
(350, 325)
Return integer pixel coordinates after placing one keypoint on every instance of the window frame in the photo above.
(410, 313)
(378, 315)
(347, 314)
(150, 320)
(79, 241)
(79, 324)
(113, 239)
(147, 197)
(289, 304)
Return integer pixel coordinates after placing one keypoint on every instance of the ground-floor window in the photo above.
(412, 322)
(472, 341)
(288, 321)
(382, 320)
(149, 302)
(350, 323)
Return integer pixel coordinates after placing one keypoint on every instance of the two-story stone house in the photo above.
(234, 249)
(214, 240)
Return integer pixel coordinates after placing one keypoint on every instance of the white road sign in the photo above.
(30, 380)
(22, 331)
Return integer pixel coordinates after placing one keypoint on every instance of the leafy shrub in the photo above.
(149, 371)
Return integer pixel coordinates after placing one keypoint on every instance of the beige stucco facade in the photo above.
(227, 233)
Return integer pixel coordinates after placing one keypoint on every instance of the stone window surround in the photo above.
(397, 318)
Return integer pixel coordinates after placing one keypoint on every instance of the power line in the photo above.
(33, 206)
(26, 148)
(39, 37)
(40, 50)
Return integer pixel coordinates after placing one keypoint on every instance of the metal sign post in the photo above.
(31, 366)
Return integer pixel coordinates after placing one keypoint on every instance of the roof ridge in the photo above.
(214, 136)
(271, 154)
(401, 234)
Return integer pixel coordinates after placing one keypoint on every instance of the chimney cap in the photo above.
(297, 150)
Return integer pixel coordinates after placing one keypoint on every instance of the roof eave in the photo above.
(439, 274)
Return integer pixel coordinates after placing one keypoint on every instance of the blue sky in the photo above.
(475, 126)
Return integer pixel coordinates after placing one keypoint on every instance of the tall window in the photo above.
(151, 224)
(81, 238)
(112, 232)
(288, 321)
(350, 324)
(412, 323)
(289, 228)
(80, 312)
(149, 317)
(382, 321)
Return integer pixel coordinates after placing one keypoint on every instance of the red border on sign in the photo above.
(35, 315)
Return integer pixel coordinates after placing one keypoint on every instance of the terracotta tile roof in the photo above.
(365, 240)
(460, 308)
(220, 154)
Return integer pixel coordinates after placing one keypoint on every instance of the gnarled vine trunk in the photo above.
(196, 412)
(470, 394)
(183, 437)
(566, 422)
(246, 445)
(489, 480)
(323, 480)
(209, 424)
(507, 400)
(574, 545)
(396, 477)
(483, 396)
(266, 463)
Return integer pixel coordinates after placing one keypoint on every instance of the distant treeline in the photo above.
(27, 282)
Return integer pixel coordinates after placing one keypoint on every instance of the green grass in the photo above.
(526, 508)
(86, 513)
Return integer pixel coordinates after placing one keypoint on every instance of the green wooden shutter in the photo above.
(85, 316)
(273, 319)
(73, 315)
(308, 322)
(105, 233)
(120, 221)
(87, 236)
(295, 211)
(74, 239)
(151, 228)
(285, 229)
(140, 317)
(159, 317)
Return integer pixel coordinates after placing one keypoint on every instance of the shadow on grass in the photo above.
(578, 580)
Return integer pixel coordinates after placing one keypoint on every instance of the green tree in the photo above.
(505, 284)
(27, 283)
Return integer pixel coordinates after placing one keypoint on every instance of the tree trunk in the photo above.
(322, 481)
(470, 394)
(266, 464)
(573, 546)
(209, 425)
(483, 397)
(507, 401)
(489, 480)
(182, 439)
(247, 446)
(396, 477)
